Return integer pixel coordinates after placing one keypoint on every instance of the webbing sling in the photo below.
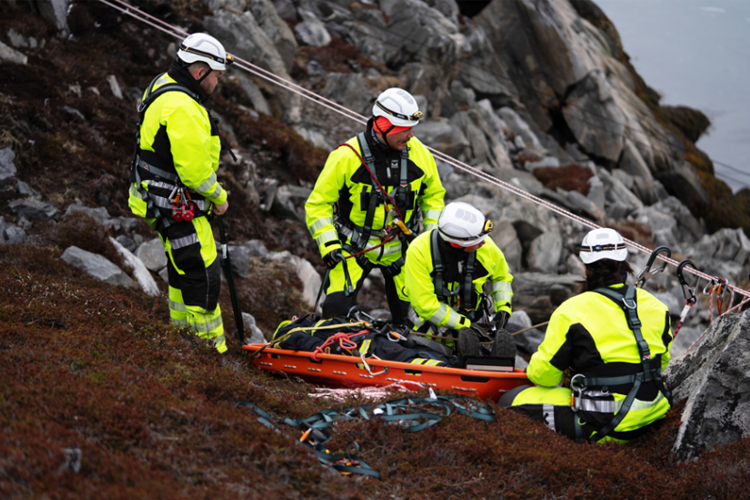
(442, 292)
(628, 303)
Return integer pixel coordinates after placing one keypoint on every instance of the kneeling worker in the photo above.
(615, 338)
(446, 270)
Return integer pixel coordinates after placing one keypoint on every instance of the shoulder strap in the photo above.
(441, 290)
(152, 94)
(628, 302)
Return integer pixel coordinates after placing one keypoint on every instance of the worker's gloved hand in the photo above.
(500, 319)
(332, 258)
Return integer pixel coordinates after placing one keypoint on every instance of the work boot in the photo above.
(504, 345)
(468, 344)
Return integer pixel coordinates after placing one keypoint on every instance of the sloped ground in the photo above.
(152, 412)
(91, 367)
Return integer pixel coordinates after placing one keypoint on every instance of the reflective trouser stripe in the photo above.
(177, 309)
(548, 412)
(611, 406)
(365, 347)
(184, 242)
(208, 325)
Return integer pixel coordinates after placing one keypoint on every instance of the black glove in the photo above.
(332, 258)
(500, 320)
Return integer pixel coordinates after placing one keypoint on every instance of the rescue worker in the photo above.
(382, 179)
(174, 185)
(446, 270)
(615, 339)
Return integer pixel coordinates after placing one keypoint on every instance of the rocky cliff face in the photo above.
(537, 93)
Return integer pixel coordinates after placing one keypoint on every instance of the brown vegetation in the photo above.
(571, 177)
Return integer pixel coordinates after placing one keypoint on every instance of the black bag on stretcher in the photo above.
(356, 338)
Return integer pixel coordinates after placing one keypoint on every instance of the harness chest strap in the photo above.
(361, 235)
(443, 293)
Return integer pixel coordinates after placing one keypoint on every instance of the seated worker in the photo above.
(615, 338)
(446, 270)
(382, 179)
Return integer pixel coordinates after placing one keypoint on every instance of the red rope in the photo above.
(344, 341)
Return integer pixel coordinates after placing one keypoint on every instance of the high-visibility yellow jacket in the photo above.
(490, 267)
(589, 333)
(345, 179)
(179, 142)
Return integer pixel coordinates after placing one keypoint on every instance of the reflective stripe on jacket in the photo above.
(490, 267)
(345, 179)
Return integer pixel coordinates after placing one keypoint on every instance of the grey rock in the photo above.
(256, 248)
(277, 30)
(11, 55)
(26, 191)
(685, 338)
(595, 118)
(310, 278)
(127, 224)
(32, 209)
(544, 252)
(242, 36)
(12, 235)
(97, 266)
(239, 255)
(55, 11)
(289, 200)
(99, 214)
(126, 242)
(715, 380)
(152, 254)
(253, 93)
(505, 237)
(253, 334)
(632, 162)
(683, 183)
(442, 135)
(627, 179)
(616, 191)
(140, 272)
(538, 284)
(520, 128)
(114, 86)
(311, 31)
(7, 166)
(546, 162)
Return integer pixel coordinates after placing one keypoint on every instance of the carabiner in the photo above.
(688, 292)
(577, 385)
(646, 273)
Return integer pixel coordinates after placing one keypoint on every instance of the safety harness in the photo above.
(165, 176)
(463, 291)
(650, 372)
(359, 236)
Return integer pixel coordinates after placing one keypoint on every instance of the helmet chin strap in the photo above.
(204, 76)
(385, 134)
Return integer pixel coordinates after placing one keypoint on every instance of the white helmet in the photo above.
(463, 225)
(603, 243)
(399, 107)
(204, 48)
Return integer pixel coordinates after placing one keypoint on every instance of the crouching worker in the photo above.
(615, 340)
(446, 270)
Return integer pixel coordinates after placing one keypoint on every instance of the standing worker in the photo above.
(446, 270)
(174, 183)
(615, 338)
(382, 179)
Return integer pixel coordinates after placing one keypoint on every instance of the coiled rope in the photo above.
(178, 33)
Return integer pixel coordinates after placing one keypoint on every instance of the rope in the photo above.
(333, 106)
(343, 339)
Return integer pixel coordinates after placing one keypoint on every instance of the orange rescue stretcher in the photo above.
(333, 370)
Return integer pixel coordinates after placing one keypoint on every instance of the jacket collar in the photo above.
(182, 76)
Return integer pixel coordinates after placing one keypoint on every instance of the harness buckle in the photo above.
(630, 305)
(577, 385)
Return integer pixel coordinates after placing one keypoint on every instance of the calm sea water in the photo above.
(696, 53)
